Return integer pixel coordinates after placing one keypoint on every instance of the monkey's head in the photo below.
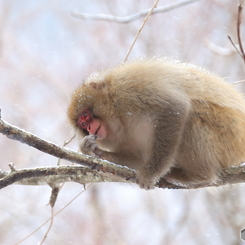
(109, 98)
(90, 107)
(82, 116)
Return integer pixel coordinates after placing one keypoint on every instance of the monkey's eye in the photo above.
(84, 114)
(83, 125)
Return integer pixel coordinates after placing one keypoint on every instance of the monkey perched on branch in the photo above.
(164, 118)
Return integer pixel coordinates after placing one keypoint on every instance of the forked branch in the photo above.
(92, 169)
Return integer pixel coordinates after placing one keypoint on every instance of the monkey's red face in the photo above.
(92, 124)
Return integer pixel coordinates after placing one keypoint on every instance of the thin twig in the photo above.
(140, 29)
(239, 21)
(234, 45)
(38, 228)
(65, 144)
(49, 228)
(238, 27)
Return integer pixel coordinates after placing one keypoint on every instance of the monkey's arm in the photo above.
(169, 125)
(89, 147)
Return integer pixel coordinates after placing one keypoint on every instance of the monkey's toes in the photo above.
(145, 183)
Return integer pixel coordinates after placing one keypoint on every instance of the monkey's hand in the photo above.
(145, 180)
(89, 146)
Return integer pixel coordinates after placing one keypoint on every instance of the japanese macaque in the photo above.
(163, 118)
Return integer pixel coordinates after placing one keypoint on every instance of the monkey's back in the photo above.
(154, 76)
(214, 134)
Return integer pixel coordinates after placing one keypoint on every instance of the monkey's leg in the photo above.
(182, 177)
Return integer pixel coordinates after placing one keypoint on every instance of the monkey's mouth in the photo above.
(97, 130)
(100, 132)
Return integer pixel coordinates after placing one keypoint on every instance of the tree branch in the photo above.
(56, 175)
(126, 19)
(15, 133)
(238, 27)
(141, 27)
(92, 169)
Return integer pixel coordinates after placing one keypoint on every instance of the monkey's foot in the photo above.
(145, 182)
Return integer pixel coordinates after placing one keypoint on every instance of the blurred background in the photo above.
(45, 53)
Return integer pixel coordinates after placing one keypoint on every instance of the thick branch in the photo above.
(55, 175)
(98, 171)
(16, 133)
(79, 174)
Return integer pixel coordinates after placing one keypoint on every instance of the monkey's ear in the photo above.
(97, 86)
